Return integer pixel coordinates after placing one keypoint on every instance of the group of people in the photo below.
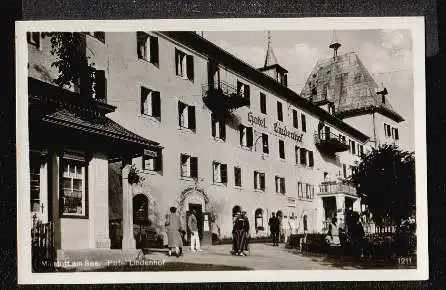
(240, 233)
(282, 228)
(176, 233)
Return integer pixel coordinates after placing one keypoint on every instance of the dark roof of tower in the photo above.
(345, 82)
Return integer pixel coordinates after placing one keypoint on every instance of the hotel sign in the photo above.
(284, 131)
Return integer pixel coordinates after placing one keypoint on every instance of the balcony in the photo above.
(336, 187)
(222, 98)
(329, 142)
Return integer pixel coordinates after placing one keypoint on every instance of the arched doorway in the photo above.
(235, 210)
(194, 199)
(140, 219)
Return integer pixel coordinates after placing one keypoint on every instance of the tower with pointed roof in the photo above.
(344, 87)
(271, 66)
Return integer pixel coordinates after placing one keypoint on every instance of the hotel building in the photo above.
(206, 130)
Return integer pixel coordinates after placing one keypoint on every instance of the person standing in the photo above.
(293, 225)
(274, 228)
(239, 235)
(333, 233)
(246, 230)
(286, 228)
(194, 237)
(173, 227)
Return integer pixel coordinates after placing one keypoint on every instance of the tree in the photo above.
(72, 62)
(385, 181)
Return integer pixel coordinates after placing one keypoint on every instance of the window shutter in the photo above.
(224, 173)
(192, 123)
(190, 67)
(177, 61)
(263, 103)
(285, 80)
(28, 37)
(140, 41)
(279, 111)
(194, 167)
(295, 120)
(240, 128)
(154, 55)
(303, 157)
(282, 185)
(304, 123)
(159, 161)
(247, 94)
(156, 104)
(310, 159)
(262, 181)
(222, 129)
(255, 179)
(181, 107)
(397, 137)
(213, 120)
(249, 136)
(99, 87)
(276, 183)
(143, 99)
(296, 150)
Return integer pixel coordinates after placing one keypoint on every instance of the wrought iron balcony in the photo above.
(329, 142)
(336, 187)
(221, 98)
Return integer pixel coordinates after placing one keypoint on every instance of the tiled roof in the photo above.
(95, 125)
(347, 83)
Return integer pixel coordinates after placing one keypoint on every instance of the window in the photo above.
(73, 189)
(296, 152)
(262, 103)
(310, 159)
(305, 191)
(33, 38)
(352, 145)
(186, 116)
(189, 166)
(342, 138)
(279, 111)
(259, 181)
(344, 170)
(238, 176)
(387, 131)
(220, 172)
(259, 219)
(295, 119)
(280, 185)
(243, 90)
(395, 134)
(303, 156)
(150, 103)
(360, 149)
(331, 109)
(246, 136)
(184, 65)
(218, 128)
(147, 47)
(304, 123)
(152, 161)
(34, 166)
(281, 149)
(265, 146)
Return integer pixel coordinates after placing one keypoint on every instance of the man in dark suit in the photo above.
(274, 227)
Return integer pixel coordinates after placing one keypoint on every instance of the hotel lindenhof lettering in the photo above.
(261, 122)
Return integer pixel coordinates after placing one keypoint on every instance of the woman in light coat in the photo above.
(173, 227)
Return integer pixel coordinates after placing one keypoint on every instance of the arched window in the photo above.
(258, 214)
(305, 223)
(140, 209)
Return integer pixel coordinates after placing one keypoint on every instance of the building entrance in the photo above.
(199, 215)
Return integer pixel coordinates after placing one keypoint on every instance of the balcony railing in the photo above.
(221, 97)
(329, 142)
(336, 187)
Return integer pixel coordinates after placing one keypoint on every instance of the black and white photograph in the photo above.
(226, 150)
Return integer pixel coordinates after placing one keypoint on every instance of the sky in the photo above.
(387, 55)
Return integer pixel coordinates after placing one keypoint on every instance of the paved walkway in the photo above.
(262, 257)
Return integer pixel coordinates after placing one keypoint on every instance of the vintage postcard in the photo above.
(221, 150)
